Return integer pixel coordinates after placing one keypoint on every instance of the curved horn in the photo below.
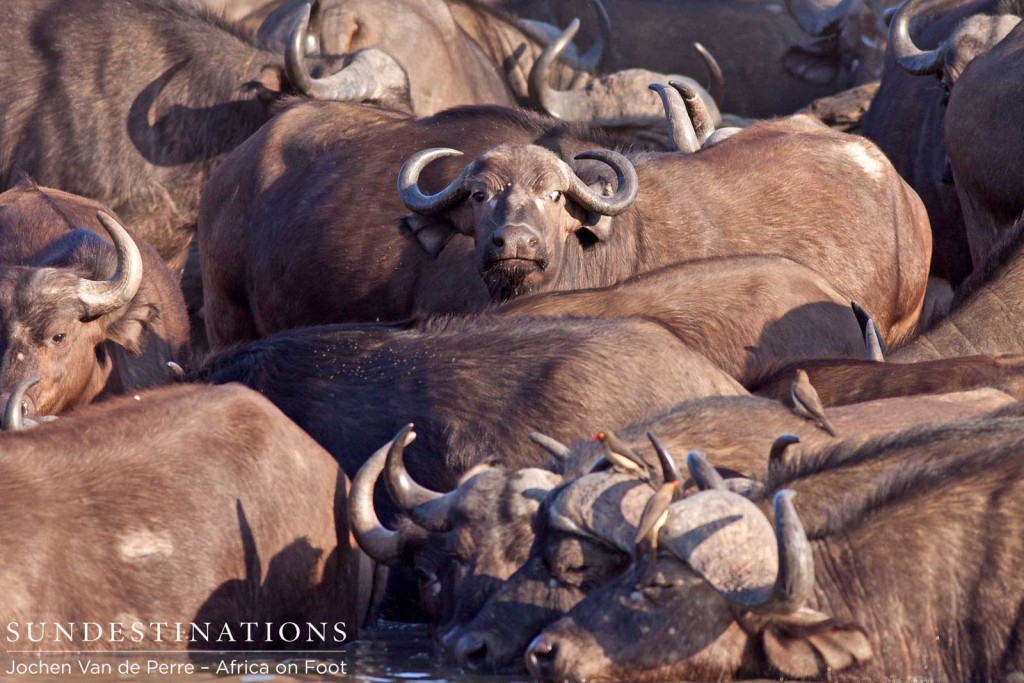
(409, 177)
(545, 98)
(402, 488)
(681, 136)
(777, 453)
(871, 341)
(911, 58)
(817, 18)
(702, 119)
(624, 196)
(703, 472)
(794, 584)
(591, 59)
(374, 538)
(669, 467)
(716, 82)
(13, 419)
(371, 75)
(558, 450)
(100, 298)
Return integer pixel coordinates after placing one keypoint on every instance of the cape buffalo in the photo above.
(747, 314)
(140, 123)
(842, 382)
(189, 504)
(816, 596)
(984, 150)
(907, 116)
(465, 543)
(84, 307)
(539, 224)
(316, 186)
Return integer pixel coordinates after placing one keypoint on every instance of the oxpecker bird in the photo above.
(623, 458)
(806, 403)
(655, 513)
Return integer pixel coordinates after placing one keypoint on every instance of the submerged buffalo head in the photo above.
(522, 204)
(56, 322)
(461, 544)
(727, 599)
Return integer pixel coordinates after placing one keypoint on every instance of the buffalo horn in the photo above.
(697, 111)
(427, 508)
(794, 584)
(374, 538)
(819, 18)
(100, 298)
(624, 196)
(669, 468)
(778, 453)
(409, 178)
(681, 136)
(13, 419)
(716, 85)
(911, 58)
(558, 450)
(704, 473)
(371, 75)
(590, 60)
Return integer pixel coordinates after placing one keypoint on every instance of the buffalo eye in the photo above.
(58, 338)
(555, 196)
(479, 196)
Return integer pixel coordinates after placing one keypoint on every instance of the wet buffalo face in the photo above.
(56, 322)
(522, 204)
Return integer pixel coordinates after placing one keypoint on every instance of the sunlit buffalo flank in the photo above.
(984, 150)
(490, 633)
(540, 224)
(842, 382)
(190, 504)
(299, 193)
(84, 308)
(140, 123)
(907, 116)
(749, 315)
(814, 597)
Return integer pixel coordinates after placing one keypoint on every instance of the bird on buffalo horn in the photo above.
(621, 457)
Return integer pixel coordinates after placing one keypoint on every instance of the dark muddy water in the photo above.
(396, 653)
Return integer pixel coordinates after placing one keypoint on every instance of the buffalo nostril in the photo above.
(533, 242)
(540, 655)
(498, 241)
(471, 652)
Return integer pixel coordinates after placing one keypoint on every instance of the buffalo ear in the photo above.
(815, 65)
(268, 84)
(798, 649)
(432, 233)
(599, 226)
(127, 331)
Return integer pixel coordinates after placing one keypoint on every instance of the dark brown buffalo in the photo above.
(539, 224)
(474, 387)
(492, 515)
(183, 504)
(907, 116)
(84, 307)
(815, 596)
(987, 312)
(842, 382)
(852, 36)
(133, 103)
(749, 315)
(984, 149)
(316, 188)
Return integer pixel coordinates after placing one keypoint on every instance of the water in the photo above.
(396, 653)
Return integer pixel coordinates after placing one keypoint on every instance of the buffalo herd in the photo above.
(634, 340)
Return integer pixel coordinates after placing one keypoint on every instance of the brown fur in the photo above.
(244, 510)
(123, 351)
